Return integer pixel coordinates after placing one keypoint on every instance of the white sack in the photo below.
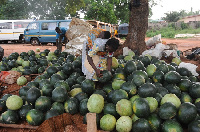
(190, 67)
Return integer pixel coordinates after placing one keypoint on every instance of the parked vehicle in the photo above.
(123, 30)
(43, 31)
(12, 30)
(104, 26)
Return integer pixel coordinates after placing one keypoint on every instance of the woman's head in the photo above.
(112, 45)
(104, 35)
(57, 29)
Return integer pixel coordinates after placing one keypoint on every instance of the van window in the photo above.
(33, 26)
(64, 24)
(20, 25)
(48, 26)
(6, 25)
(124, 28)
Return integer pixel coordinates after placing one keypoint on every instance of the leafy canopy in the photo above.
(110, 11)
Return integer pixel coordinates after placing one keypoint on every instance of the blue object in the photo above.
(43, 31)
(63, 30)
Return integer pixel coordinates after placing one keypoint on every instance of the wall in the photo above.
(157, 26)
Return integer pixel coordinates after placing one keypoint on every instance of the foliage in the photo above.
(101, 11)
(2, 2)
(48, 9)
(170, 32)
(174, 16)
(110, 11)
(73, 6)
(119, 7)
(13, 10)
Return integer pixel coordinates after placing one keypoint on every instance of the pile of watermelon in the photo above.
(140, 94)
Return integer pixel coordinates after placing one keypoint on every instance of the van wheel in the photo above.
(35, 41)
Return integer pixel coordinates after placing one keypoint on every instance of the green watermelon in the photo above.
(108, 122)
(124, 107)
(95, 103)
(14, 102)
(124, 124)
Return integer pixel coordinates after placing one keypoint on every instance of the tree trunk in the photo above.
(138, 25)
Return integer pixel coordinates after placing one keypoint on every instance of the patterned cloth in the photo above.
(95, 45)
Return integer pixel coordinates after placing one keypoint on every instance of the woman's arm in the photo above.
(92, 63)
(109, 63)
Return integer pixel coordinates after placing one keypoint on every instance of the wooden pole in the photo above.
(91, 122)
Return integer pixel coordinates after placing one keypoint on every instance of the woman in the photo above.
(97, 54)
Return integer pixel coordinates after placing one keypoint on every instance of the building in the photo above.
(190, 19)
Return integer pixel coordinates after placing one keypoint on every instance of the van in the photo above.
(12, 30)
(43, 31)
(123, 30)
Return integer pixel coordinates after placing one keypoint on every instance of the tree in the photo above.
(101, 11)
(107, 10)
(72, 6)
(119, 7)
(14, 9)
(174, 16)
(2, 2)
(121, 10)
(138, 25)
(48, 9)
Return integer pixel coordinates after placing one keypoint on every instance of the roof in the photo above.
(53, 20)
(191, 16)
(124, 24)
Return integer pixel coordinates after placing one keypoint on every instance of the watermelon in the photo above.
(171, 98)
(124, 107)
(95, 103)
(21, 81)
(124, 124)
(34, 117)
(108, 122)
(10, 117)
(14, 102)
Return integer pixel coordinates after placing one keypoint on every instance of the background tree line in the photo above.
(110, 11)
(103, 10)
(174, 16)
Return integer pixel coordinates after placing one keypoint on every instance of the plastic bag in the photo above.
(154, 40)
(77, 28)
(74, 49)
(9, 77)
(126, 50)
(157, 51)
(190, 67)
(168, 53)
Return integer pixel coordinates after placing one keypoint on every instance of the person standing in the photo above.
(60, 34)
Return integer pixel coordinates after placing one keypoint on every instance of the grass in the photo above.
(170, 32)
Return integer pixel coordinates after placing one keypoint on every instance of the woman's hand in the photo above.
(98, 73)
